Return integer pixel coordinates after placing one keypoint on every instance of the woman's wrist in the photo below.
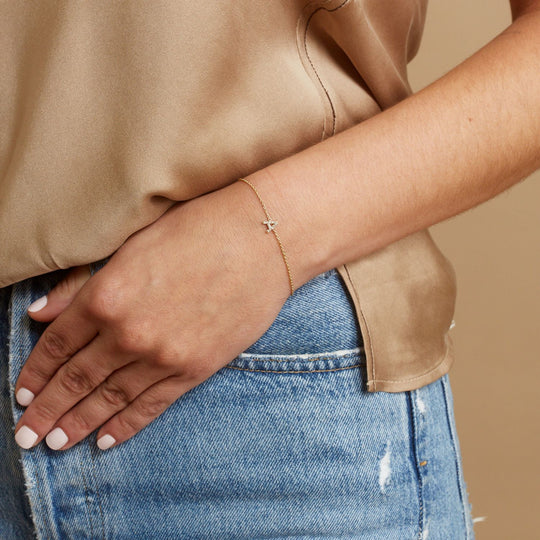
(298, 255)
(237, 213)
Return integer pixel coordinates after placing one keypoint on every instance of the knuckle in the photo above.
(165, 359)
(151, 407)
(136, 338)
(36, 372)
(129, 341)
(75, 381)
(114, 395)
(104, 302)
(55, 344)
(45, 412)
(192, 372)
(198, 367)
(81, 421)
(128, 424)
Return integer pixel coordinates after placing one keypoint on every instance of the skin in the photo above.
(124, 344)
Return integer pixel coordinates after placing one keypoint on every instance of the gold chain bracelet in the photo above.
(271, 227)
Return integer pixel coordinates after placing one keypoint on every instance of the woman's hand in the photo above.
(177, 302)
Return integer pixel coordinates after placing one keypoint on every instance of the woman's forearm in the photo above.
(465, 138)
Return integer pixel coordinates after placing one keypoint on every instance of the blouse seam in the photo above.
(316, 73)
(448, 348)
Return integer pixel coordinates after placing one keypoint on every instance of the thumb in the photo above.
(48, 307)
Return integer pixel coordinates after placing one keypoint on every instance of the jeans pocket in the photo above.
(317, 319)
(316, 330)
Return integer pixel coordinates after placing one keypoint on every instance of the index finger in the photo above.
(68, 333)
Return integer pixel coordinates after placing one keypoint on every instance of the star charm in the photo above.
(270, 224)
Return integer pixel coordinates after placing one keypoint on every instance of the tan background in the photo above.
(495, 249)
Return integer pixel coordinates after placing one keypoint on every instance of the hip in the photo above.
(284, 441)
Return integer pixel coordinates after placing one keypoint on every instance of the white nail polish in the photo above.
(40, 303)
(24, 397)
(56, 439)
(105, 442)
(25, 437)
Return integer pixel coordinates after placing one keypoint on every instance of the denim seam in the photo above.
(98, 497)
(285, 372)
(262, 357)
(40, 492)
(26, 456)
(459, 472)
(416, 459)
(86, 492)
(292, 359)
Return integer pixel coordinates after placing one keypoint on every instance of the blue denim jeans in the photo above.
(283, 442)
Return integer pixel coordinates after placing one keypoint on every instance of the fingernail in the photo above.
(105, 442)
(25, 437)
(56, 439)
(40, 303)
(24, 397)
